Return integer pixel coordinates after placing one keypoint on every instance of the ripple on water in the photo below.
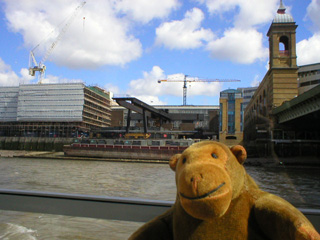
(29, 226)
(16, 232)
(300, 186)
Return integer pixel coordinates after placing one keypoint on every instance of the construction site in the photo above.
(72, 110)
(53, 110)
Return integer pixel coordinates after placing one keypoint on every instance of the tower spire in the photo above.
(281, 9)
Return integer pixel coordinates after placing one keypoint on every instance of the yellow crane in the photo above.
(34, 66)
(185, 80)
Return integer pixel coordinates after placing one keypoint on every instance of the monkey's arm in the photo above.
(159, 228)
(280, 220)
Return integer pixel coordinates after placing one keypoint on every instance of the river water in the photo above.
(298, 185)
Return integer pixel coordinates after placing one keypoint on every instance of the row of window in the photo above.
(231, 117)
(310, 73)
(314, 82)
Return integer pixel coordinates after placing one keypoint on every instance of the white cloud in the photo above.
(151, 100)
(204, 88)
(112, 88)
(247, 12)
(56, 79)
(146, 10)
(9, 78)
(184, 34)
(267, 66)
(254, 13)
(25, 76)
(149, 89)
(239, 45)
(255, 82)
(308, 50)
(148, 84)
(313, 13)
(100, 39)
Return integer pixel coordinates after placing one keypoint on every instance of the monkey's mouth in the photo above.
(204, 195)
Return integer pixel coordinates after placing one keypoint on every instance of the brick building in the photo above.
(280, 82)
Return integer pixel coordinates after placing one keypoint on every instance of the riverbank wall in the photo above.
(34, 143)
(62, 156)
(52, 148)
(264, 162)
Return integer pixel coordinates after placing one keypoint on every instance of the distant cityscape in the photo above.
(280, 116)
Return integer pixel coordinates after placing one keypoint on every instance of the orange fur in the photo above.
(216, 199)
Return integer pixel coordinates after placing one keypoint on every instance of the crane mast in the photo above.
(185, 81)
(40, 67)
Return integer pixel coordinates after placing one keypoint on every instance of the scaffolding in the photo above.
(53, 110)
(8, 104)
(50, 102)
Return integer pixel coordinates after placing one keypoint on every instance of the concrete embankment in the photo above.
(31, 154)
(61, 156)
(33, 143)
(51, 148)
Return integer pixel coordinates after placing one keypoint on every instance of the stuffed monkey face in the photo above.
(208, 176)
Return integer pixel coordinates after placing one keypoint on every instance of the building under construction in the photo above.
(185, 121)
(53, 110)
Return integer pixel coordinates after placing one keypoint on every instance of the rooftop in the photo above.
(282, 16)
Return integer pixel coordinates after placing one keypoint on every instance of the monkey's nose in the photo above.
(195, 180)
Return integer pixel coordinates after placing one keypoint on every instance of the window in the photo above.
(241, 117)
(231, 137)
(284, 46)
(220, 117)
(231, 113)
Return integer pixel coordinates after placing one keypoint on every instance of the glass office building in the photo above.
(231, 117)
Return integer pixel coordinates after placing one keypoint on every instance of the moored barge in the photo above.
(127, 149)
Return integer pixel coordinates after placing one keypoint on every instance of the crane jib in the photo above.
(194, 79)
(33, 65)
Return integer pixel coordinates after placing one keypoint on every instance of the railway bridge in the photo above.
(292, 129)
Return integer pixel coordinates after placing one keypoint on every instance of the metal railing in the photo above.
(112, 208)
(283, 53)
(78, 205)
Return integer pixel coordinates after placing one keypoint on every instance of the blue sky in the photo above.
(125, 46)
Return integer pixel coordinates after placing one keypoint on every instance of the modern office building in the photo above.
(309, 77)
(53, 110)
(231, 117)
(247, 94)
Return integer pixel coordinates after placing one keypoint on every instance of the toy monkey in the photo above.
(217, 199)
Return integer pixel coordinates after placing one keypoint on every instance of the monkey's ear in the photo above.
(240, 153)
(173, 161)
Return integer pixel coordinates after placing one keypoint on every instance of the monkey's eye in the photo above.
(214, 155)
(184, 160)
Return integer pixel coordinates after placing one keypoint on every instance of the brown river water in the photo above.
(298, 185)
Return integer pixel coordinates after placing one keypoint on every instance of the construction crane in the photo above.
(34, 66)
(191, 80)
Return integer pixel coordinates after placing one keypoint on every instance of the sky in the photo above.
(126, 46)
